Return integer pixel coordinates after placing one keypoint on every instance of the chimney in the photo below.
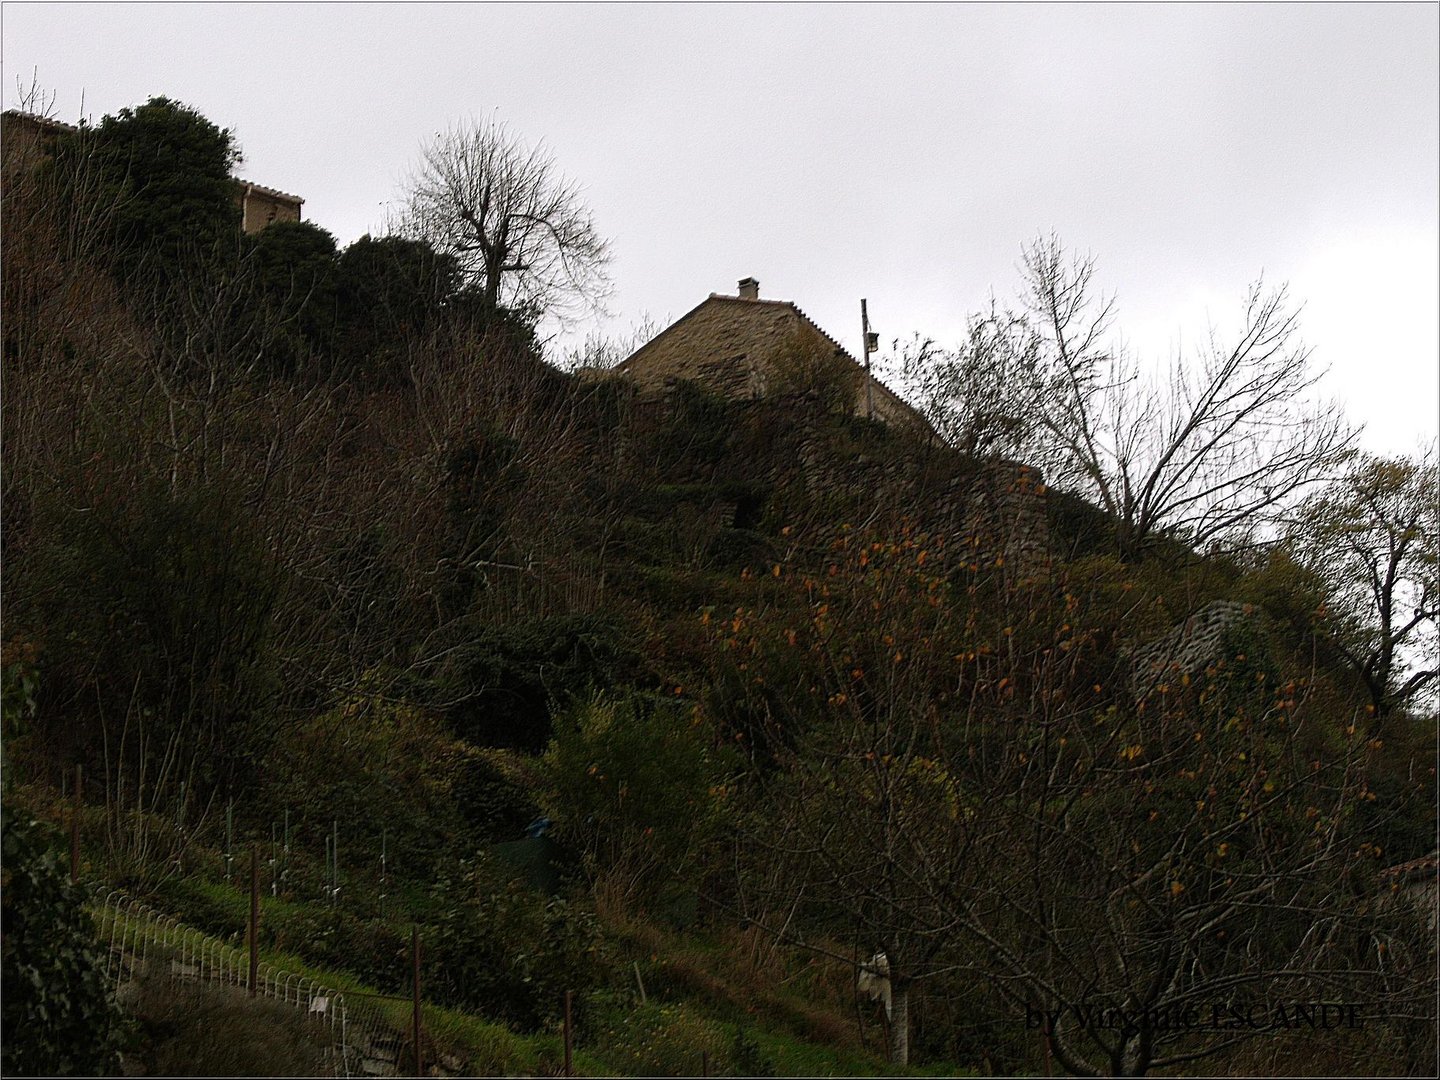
(749, 289)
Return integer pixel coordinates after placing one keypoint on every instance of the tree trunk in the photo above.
(899, 1023)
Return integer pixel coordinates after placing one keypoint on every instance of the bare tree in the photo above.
(1373, 539)
(1208, 452)
(835, 697)
(518, 227)
(599, 353)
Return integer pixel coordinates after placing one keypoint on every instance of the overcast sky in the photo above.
(901, 153)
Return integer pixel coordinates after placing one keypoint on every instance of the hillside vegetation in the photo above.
(311, 549)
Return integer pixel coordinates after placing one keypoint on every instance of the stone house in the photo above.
(739, 346)
(744, 348)
(25, 137)
(261, 206)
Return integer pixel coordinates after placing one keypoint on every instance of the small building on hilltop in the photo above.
(744, 347)
(26, 139)
(771, 354)
(261, 206)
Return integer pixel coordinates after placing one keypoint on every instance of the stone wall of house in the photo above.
(1190, 647)
(721, 345)
(261, 207)
(992, 514)
(731, 346)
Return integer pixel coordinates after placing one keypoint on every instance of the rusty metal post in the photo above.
(254, 980)
(569, 1036)
(75, 829)
(415, 997)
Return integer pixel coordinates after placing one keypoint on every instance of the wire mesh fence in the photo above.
(361, 1034)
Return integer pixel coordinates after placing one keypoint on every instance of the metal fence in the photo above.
(357, 1031)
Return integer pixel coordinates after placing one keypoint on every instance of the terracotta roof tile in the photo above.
(268, 190)
(46, 122)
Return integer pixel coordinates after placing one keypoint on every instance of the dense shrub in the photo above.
(698, 428)
(378, 768)
(59, 1017)
(297, 280)
(152, 607)
(635, 784)
(390, 292)
(505, 681)
(493, 804)
(166, 170)
(511, 953)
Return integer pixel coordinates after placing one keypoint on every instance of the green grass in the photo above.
(702, 990)
(485, 1046)
(490, 1048)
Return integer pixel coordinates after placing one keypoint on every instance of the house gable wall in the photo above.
(260, 206)
(732, 346)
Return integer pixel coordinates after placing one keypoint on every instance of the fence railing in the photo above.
(359, 1039)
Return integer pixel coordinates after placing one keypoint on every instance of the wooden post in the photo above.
(254, 979)
(415, 997)
(75, 830)
(569, 1037)
(704, 1062)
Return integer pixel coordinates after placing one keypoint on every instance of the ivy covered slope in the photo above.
(784, 741)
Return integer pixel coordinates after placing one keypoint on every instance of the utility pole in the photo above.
(866, 339)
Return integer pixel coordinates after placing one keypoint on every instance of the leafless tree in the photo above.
(599, 353)
(1207, 452)
(518, 227)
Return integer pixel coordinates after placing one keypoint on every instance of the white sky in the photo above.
(902, 153)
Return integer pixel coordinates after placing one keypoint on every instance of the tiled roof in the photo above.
(263, 190)
(45, 122)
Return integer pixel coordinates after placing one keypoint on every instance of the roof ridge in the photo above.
(43, 121)
(267, 190)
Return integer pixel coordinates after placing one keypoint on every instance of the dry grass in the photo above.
(737, 972)
(194, 1029)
